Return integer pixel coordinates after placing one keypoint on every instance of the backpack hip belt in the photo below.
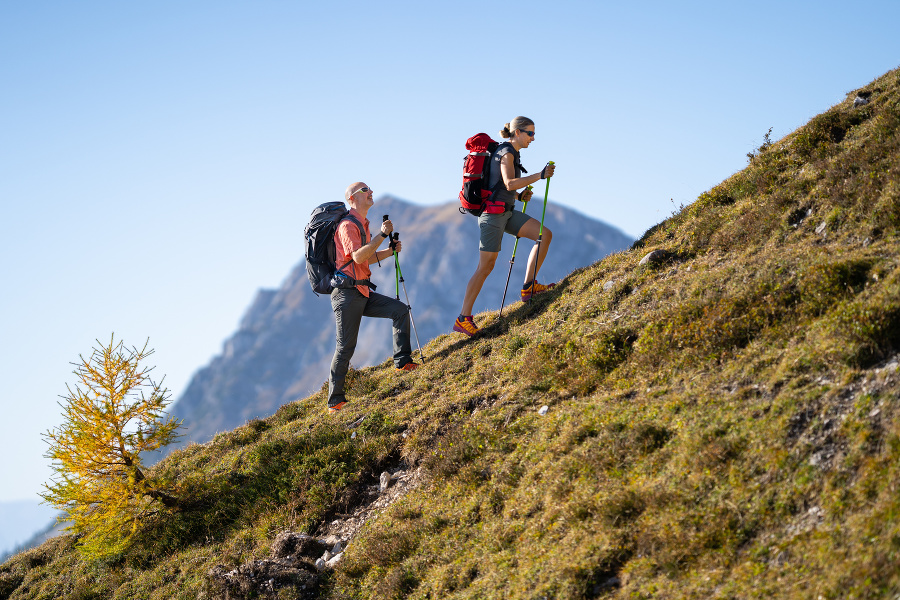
(342, 281)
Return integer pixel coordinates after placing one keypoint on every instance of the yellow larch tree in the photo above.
(113, 414)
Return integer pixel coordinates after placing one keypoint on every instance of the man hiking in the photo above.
(351, 304)
(505, 178)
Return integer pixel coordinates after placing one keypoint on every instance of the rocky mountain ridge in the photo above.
(284, 344)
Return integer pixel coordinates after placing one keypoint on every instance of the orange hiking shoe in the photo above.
(534, 288)
(410, 366)
(337, 407)
(465, 325)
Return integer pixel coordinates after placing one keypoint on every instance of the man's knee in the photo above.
(400, 313)
(548, 235)
(344, 353)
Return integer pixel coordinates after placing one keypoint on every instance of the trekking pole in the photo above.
(512, 260)
(540, 235)
(395, 237)
(396, 270)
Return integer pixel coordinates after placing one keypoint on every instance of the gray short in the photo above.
(492, 228)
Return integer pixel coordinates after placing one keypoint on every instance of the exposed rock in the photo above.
(655, 257)
(797, 216)
(289, 544)
(543, 410)
(262, 579)
(384, 481)
(345, 528)
(820, 230)
(608, 285)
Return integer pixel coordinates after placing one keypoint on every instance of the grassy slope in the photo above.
(721, 424)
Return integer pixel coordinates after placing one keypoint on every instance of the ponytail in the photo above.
(518, 123)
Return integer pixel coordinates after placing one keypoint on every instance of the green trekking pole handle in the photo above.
(396, 275)
(512, 260)
(396, 262)
(546, 195)
(540, 234)
(524, 208)
(395, 238)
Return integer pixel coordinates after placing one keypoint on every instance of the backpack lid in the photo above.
(479, 143)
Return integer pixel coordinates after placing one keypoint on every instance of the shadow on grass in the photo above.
(499, 327)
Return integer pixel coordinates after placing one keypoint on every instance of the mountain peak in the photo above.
(285, 343)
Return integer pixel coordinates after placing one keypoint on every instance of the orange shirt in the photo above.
(347, 241)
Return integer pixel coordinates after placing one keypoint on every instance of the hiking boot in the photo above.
(534, 288)
(410, 366)
(465, 325)
(337, 407)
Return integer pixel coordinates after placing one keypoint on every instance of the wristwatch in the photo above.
(383, 234)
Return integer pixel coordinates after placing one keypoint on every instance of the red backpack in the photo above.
(475, 196)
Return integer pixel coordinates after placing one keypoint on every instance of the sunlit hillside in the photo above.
(722, 421)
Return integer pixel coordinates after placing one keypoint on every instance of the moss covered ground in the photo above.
(722, 423)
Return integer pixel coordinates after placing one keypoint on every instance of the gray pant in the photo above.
(349, 307)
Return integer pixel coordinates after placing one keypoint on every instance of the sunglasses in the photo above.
(530, 133)
(365, 189)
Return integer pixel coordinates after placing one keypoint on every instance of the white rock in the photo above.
(385, 481)
(334, 561)
(320, 564)
(821, 228)
(654, 257)
(543, 410)
(338, 548)
(608, 285)
(327, 556)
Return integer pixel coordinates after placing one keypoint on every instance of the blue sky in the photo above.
(158, 161)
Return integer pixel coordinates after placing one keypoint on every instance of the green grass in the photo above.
(720, 424)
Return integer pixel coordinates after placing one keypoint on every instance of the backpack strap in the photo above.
(362, 236)
(517, 162)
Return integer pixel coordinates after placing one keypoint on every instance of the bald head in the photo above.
(359, 196)
(353, 187)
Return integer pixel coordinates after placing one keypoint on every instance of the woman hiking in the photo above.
(504, 180)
